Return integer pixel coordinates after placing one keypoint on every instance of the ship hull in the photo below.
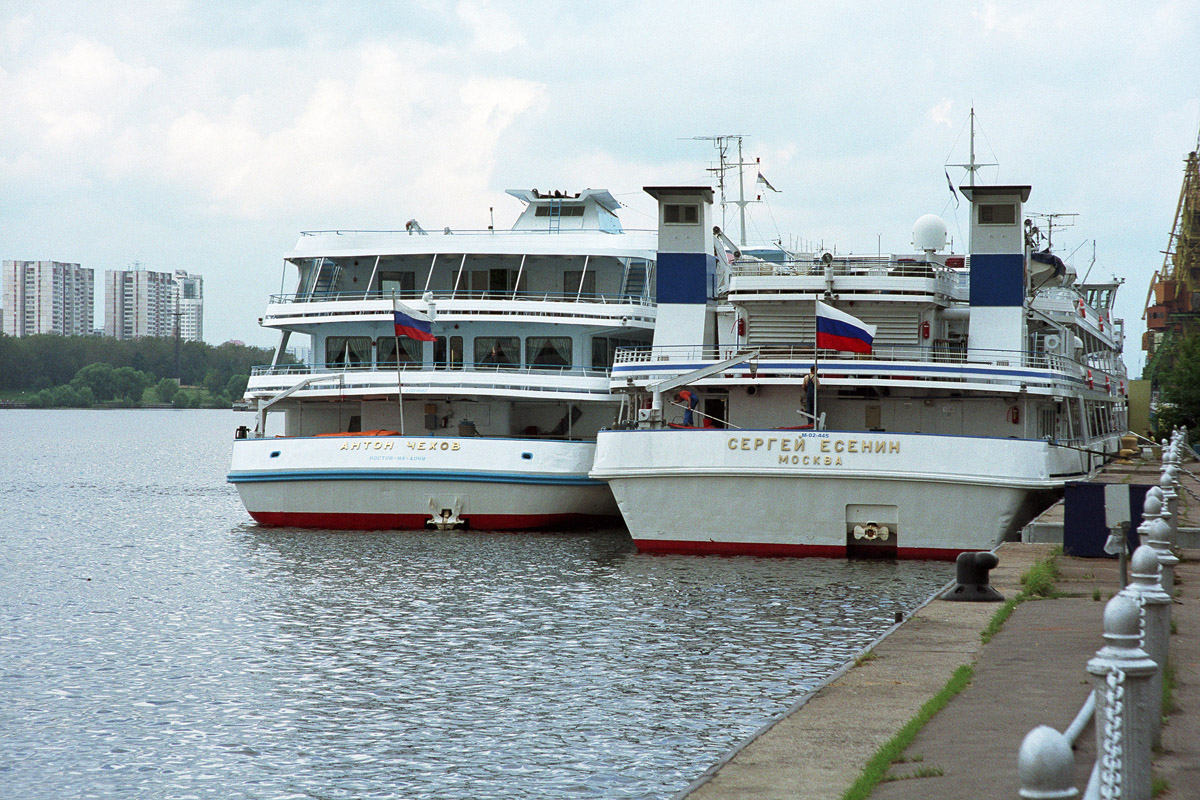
(400, 482)
(832, 494)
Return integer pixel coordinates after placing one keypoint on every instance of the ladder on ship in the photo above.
(555, 215)
(635, 279)
(326, 277)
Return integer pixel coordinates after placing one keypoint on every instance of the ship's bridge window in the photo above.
(497, 351)
(452, 358)
(997, 213)
(563, 211)
(548, 352)
(681, 213)
(410, 352)
(348, 352)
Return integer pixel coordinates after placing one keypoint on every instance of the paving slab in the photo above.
(1031, 673)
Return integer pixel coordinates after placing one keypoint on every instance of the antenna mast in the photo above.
(722, 144)
(972, 166)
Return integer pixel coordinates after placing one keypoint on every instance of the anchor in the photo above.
(872, 532)
(445, 519)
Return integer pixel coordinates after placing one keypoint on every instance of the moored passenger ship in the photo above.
(457, 378)
(990, 380)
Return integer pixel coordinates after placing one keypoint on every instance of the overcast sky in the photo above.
(206, 135)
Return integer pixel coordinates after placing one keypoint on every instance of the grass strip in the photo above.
(877, 767)
(1039, 581)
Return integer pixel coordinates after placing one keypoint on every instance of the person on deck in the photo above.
(689, 398)
(811, 383)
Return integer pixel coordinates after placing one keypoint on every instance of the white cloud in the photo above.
(72, 95)
(492, 30)
(392, 129)
(942, 113)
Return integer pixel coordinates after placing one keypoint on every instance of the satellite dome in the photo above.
(929, 233)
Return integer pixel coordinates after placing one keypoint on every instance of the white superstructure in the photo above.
(993, 380)
(492, 424)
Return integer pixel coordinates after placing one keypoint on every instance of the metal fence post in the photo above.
(1046, 766)
(1122, 673)
(1156, 532)
(1146, 591)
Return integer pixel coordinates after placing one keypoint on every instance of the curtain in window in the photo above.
(497, 350)
(410, 352)
(346, 352)
(545, 352)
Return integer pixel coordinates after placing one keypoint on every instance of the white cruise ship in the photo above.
(492, 423)
(992, 380)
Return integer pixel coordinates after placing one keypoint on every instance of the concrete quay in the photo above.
(1031, 673)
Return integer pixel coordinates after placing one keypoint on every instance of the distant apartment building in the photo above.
(139, 302)
(189, 293)
(48, 297)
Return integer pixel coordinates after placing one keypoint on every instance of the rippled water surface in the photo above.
(156, 643)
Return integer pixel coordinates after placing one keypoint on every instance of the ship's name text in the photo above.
(411, 444)
(791, 448)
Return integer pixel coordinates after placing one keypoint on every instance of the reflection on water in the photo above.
(156, 643)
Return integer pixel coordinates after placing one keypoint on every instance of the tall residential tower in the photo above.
(48, 297)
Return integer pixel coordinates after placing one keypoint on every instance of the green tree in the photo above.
(130, 384)
(1181, 387)
(237, 386)
(166, 389)
(99, 378)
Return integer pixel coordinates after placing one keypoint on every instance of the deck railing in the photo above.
(340, 368)
(463, 294)
(472, 232)
(806, 352)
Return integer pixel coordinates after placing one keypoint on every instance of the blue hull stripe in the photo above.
(834, 367)
(408, 475)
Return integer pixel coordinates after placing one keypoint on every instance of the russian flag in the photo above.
(837, 330)
(411, 323)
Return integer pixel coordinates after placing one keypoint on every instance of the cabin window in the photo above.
(452, 358)
(348, 352)
(681, 213)
(563, 211)
(571, 279)
(548, 352)
(402, 283)
(997, 214)
(482, 282)
(410, 352)
(497, 351)
(604, 350)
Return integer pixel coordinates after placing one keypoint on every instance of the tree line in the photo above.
(86, 370)
(1174, 372)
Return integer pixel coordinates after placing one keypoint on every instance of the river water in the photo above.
(156, 643)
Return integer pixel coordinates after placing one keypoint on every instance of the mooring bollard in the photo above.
(1046, 766)
(971, 579)
(1155, 531)
(1146, 591)
(1122, 673)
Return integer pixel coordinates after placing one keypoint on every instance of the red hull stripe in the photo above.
(379, 522)
(782, 550)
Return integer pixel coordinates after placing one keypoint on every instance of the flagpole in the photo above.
(816, 360)
(399, 383)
